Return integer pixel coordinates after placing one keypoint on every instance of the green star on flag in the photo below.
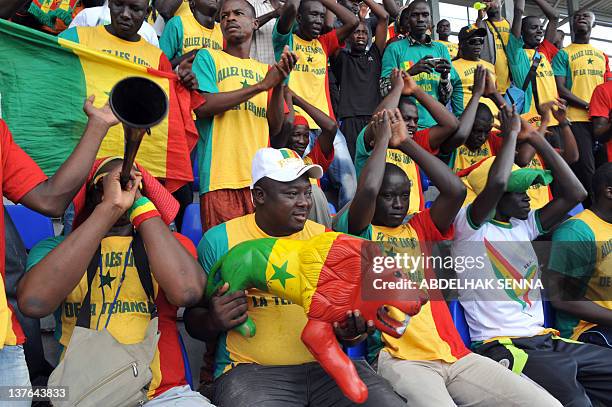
(244, 84)
(106, 280)
(281, 274)
(590, 61)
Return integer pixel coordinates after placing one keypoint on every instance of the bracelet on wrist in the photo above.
(141, 210)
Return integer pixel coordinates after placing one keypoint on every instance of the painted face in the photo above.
(127, 17)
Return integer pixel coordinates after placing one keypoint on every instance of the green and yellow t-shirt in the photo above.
(582, 249)
(397, 157)
(139, 52)
(309, 76)
(279, 322)
(431, 334)
(183, 9)
(501, 60)
(462, 79)
(183, 34)
(583, 67)
(452, 47)
(402, 54)
(130, 314)
(520, 61)
(228, 141)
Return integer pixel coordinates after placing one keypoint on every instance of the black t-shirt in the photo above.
(357, 77)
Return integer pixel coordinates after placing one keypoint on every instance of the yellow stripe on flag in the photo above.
(101, 73)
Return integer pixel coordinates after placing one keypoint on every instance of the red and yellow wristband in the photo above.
(141, 210)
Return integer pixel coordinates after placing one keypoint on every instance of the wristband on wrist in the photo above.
(141, 210)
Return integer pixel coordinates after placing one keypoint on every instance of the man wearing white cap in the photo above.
(273, 367)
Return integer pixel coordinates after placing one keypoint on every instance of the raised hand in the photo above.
(490, 87)
(186, 75)
(103, 115)
(510, 121)
(410, 86)
(480, 78)
(399, 132)
(443, 67)
(381, 126)
(560, 113)
(397, 78)
(280, 71)
(120, 199)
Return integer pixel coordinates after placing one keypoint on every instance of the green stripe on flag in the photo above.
(42, 90)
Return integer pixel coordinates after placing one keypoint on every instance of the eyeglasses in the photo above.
(475, 41)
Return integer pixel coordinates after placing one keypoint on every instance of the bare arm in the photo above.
(167, 8)
(348, 19)
(602, 129)
(519, 10)
(287, 16)
(468, 116)
(452, 190)
(382, 23)
(48, 283)
(389, 102)
(553, 19)
(486, 202)
(328, 126)
(568, 300)
(392, 8)
(264, 19)
(9, 7)
(363, 204)
(571, 192)
(567, 94)
(53, 196)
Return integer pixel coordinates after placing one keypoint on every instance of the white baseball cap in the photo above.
(281, 165)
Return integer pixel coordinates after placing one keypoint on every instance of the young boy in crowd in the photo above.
(239, 116)
(507, 322)
(116, 232)
(357, 70)
(184, 35)
(403, 89)
(273, 368)
(576, 85)
(580, 265)
(429, 365)
(300, 28)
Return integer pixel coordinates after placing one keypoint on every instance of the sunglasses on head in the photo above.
(475, 41)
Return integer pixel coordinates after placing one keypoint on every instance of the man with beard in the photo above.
(427, 61)
(357, 71)
(578, 69)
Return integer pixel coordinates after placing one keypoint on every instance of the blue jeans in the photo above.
(341, 171)
(13, 373)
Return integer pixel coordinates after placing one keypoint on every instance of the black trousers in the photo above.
(250, 384)
(576, 374)
(584, 168)
(351, 127)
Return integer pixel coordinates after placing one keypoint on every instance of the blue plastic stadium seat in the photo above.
(428, 204)
(357, 352)
(192, 226)
(186, 363)
(332, 208)
(196, 174)
(31, 225)
(576, 210)
(549, 312)
(458, 315)
(425, 182)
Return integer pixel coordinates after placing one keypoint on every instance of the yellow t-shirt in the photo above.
(453, 48)
(279, 322)
(462, 79)
(501, 61)
(139, 52)
(547, 89)
(183, 34)
(183, 9)
(228, 141)
(583, 67)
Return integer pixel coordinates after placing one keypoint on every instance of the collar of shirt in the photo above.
(413, 41)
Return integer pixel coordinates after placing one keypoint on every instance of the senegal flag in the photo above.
(44, 81)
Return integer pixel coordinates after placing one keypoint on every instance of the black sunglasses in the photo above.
(475, 41)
